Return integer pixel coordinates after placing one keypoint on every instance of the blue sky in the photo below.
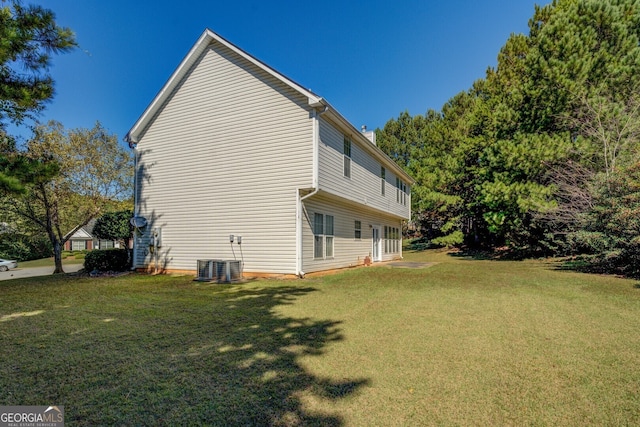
(370, 59)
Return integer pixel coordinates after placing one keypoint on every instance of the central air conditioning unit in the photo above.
(221, 271)
(205, 270)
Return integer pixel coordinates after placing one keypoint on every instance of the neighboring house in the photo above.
(83, 239)
(230, 146)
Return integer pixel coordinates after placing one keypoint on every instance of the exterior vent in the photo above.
(221, 271)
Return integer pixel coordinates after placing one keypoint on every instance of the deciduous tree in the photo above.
(94, 171)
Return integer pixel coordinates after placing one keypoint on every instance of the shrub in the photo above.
(107, 260)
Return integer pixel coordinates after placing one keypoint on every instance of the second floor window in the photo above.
(401, 192)
(383, 173)
(404, 194)
(347, 157)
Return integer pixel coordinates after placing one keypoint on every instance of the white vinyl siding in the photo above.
(364, 183)
(347, 250)
(226, 155)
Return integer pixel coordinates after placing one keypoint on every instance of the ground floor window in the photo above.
(318, 238)
(328, 238)
(78, 245)
(391, 240)
(106, 244)
(322, 236)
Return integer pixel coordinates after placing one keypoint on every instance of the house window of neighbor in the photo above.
(78, 245)
(357, 232)
(328, 238)
(398, 190)
(347, 157)
(318, 238)
(383, 181)
(106, 244)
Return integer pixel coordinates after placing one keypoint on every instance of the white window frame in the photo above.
(323, 236)
(383, 179)
(401, 192)
(346, 162)
(391, 240)
(404, 194)
(318, 236)
(386, 239)
(357, 229)
(329, 230)
(106, 244)
(77, 243)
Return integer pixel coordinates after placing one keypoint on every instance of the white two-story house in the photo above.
(230, 146)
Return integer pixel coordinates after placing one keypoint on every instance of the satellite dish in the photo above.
(138, 221)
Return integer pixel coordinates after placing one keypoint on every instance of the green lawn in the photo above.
(463, 342)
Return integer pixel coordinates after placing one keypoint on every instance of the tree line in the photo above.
(541, 155)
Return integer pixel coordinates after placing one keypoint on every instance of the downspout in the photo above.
(315, 186)
(133, 145)
(134, 255)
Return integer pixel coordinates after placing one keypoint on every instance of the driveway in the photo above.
(18, 273)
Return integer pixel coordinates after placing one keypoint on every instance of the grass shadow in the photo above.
(585, 264)
(171, 352)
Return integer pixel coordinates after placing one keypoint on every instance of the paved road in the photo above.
(36, 271)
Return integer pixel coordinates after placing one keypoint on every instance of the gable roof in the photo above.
(314, 101)
(84, 232)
